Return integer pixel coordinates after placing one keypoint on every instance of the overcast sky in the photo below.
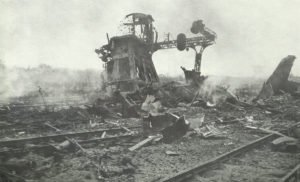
(253, 35)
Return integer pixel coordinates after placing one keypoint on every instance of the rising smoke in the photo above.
(56, 83)
(253, 36)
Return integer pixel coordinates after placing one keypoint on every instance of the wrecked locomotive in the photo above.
(128, 58)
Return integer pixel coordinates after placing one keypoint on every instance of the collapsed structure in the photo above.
(131, 74)
(278, 82)
(128, 58)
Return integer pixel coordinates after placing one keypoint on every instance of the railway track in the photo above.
(252, 162)
(46, 143)
(292, 176)
(60, 136)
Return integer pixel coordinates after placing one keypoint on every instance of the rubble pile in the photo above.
(180, 131)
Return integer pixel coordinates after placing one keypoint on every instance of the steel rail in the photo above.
(57, 136)
(9, 151)
(292, 176)
(188, 173)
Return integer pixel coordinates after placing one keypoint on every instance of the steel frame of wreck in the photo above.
(128, 58)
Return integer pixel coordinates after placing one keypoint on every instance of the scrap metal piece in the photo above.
(178, 129)
(171, 126)
(278, 81)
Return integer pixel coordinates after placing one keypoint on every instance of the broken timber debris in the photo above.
(285, 143)
(71, 140)
(167, 127)
(171, 153)
(145, 142)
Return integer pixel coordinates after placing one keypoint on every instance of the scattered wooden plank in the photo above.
(171, 153)
(266, 130)
(116, 124)
(144, 142)
(56, 129)
(103, 134)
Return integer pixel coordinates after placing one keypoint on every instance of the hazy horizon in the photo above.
(253, 36)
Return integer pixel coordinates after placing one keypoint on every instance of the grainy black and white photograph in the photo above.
(149, 91)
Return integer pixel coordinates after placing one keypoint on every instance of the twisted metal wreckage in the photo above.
(128, 58)
(137, 91)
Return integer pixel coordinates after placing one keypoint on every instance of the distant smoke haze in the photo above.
(56, 83)
(253, 36)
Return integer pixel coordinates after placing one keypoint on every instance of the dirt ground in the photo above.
(114, 162)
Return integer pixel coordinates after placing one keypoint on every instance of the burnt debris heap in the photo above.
(128, 58)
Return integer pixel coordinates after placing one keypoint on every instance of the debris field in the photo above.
(144, 127)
